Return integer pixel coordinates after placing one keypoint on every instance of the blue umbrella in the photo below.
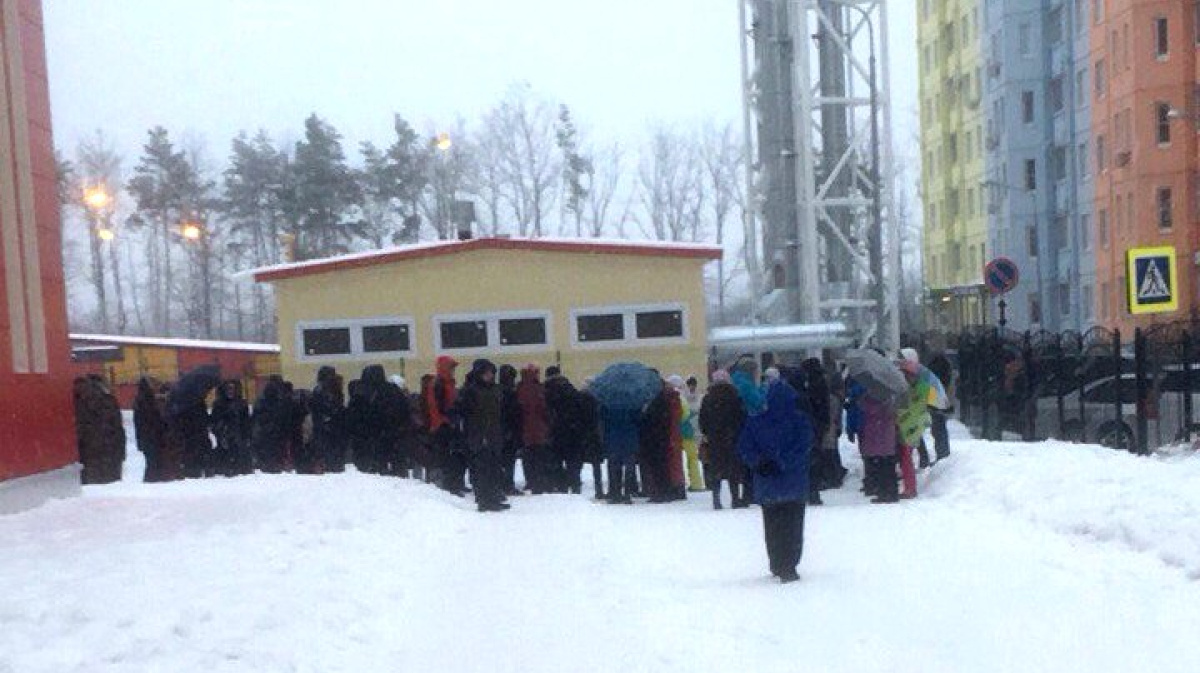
(626, 385)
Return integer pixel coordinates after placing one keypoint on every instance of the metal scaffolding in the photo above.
(818, 122)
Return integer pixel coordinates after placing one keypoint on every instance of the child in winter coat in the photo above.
(689, 408)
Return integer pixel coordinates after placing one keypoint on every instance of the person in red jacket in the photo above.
(535, 431)
(447, 439)
(678, 483)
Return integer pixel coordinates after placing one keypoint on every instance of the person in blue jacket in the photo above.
(621, 442)
(775, 444)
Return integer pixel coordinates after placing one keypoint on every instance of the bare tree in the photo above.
(722, 158)
(606, 182)
(451, 173)
(523, 127)
(671, 187)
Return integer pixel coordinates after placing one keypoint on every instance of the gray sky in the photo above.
(211, 68)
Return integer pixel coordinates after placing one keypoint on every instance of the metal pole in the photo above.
(749, 212)
(888, 187)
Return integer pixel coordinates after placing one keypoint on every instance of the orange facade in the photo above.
(36, 426)
(1145, 118)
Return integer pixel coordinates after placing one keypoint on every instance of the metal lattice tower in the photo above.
(818, 123)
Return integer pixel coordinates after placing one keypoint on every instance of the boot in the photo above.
(885, 478)
(716, 495)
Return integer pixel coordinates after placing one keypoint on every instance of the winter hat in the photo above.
(676, 381)
(721, 376)
(910, 355)
(751, 394)
(398, 381)
(772, 374)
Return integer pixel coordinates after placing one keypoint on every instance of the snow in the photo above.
(1044, 557)
(168, 342)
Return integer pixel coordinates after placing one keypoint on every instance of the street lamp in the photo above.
(106, 235)
(443, 142)
(96, 198)
(191, 231)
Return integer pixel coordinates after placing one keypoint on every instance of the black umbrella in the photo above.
(192, 388)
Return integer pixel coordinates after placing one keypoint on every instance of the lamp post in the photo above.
(196, 233)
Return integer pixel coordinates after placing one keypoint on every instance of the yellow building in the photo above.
(577, 304)
(954, 143)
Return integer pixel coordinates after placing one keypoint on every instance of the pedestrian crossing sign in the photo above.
(1151, 277)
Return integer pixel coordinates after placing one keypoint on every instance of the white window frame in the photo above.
(629, 316)
(492, 320)
(356, 325)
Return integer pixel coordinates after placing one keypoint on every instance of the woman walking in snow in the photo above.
(776, 444)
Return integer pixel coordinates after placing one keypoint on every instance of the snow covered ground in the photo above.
(1043, 557)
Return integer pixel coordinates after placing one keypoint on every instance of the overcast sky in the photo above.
(211, 68)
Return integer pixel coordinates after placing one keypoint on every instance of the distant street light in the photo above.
(96, 198)
(105, 234)
(443, 142)
(191, 232)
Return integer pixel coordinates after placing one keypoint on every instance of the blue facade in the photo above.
(1037, 170)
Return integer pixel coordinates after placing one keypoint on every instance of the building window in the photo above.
(1165, 219)
(1058, 164)
(1085, 167)
(1102, 227)
(523, 332)
(1054, 27)
(1081, 87)
(1097, 11)
(1101, 158)
(1055, 93)
(1085, 302)
(1098, 78)
(1035, 309)
(600, 327)
(464, 334)
(1030, 174)
(355, 338)
(614, 326)
(389, 338)
(1064, 299)
(1024, 42)
(952, 149)
(1085, 231)
(660, 325)
(1031, 236)
(1162, 41)
(1163, 131)
(323, 341)
(1027, 107)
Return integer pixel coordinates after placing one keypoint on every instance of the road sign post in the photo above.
(1001, 276)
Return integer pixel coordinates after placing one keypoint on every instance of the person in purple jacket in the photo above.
(874, 428)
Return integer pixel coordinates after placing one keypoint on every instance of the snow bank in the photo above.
(1147, 504)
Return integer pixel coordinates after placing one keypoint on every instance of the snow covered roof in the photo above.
(166, 342)
(593, 246)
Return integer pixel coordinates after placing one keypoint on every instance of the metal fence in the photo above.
(1095, 387)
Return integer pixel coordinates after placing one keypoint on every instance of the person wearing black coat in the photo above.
(480, 410)
(942, 368)
(328, 408)
(298, 455)
(355, 427)
(187, 418)
(512, 429)
(150, 430)
(568, 429)
(654, 439)
(99, 431)
(270, 426)
(230, 422)
(721, 417)
(591, 441)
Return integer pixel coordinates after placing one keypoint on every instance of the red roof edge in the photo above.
(453, 247)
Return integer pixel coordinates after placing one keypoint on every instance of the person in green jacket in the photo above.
(913, 420)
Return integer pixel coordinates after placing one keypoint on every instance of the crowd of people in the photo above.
(772, 440)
